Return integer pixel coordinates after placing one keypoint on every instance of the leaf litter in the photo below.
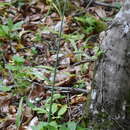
(28, 43)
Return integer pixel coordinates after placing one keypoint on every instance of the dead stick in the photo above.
(89, 2)
(70, 89)
(105, 4)
(83, 62)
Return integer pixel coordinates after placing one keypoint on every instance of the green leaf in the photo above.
(19, 113)
(17, 26)
(62, 110)
(55, 97)
(90, 24)
(107, 19)
(37, 37)
(12, 67)
(34, 51)
(54, 108)
(81, 128)
(63, 127)
(46, 126)
(51, 128)
(72, 125)
(10, 24)
(38, 74)
(40, 126)
(18, 59)
(118, 5)
(45, 67)
(2, 4)
(39, 110)
(54, 124)
(30, 104)
(57, 9)
(5, 88)
(4, 31)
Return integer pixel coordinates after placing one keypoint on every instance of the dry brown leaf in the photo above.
(47, 21)
(10, 120)
(5, 99)
(30, 27)
(78, 99)
(37, 92)
(67, 82)
(41, 6)
(64, 62)
(33, 122)
(100, 12)
(35, 17)
(65, 77)
(27, 115)
(12, 109)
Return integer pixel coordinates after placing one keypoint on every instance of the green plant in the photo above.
(33, 50)
(98, 52)
(56, 64)
(3, 87)
(58, 6)
(19, 72)
(54, 126)
(117, 5)
(46, 126)
(73, 38)
(3, 4)
(9, 31)
(57, 109)
(37, 37)
(19, 114)
(22, 75)
(18, 3)
(80, 84)
(90, 24)
(37, 72)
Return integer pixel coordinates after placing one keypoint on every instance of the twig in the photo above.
(105, 4)
(69, 107)
(68, 89)
(84, 61)
(63, 89)
(89, 2)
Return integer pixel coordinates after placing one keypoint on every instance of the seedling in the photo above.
(9, 30)
(57, 109)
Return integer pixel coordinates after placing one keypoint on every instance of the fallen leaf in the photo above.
(100, 12)
(33, 122)
(78, 99)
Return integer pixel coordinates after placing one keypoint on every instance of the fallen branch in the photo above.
(68, 89)
(84, 61)
(90, 2)
(105, 4)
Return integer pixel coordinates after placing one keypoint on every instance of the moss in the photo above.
(90, 24)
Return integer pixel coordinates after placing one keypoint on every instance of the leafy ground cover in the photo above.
(47, 54)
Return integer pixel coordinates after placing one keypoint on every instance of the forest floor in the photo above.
(47, 54)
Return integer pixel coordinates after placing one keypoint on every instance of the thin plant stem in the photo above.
(57, 60)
